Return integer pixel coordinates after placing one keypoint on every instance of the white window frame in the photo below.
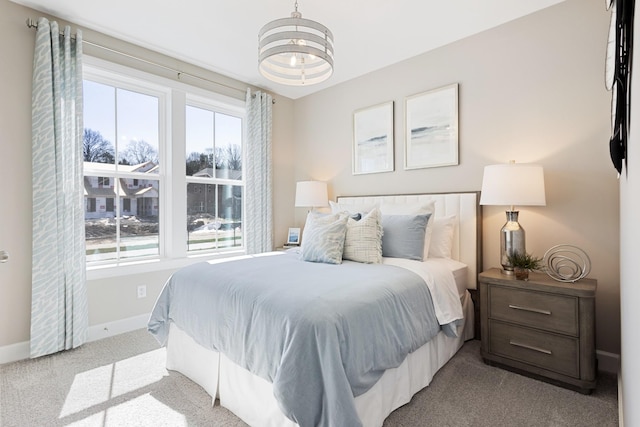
(172, 153)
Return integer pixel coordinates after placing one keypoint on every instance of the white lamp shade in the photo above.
(311, 194)
(513, 184)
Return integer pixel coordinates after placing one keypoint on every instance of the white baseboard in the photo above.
(608, 362)
(21, 350)
(14, 352)
(117, 327)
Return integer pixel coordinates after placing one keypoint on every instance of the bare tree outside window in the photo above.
(234, 157)
(139, 151)
(220, 158)
(196, 162)
(95, 148)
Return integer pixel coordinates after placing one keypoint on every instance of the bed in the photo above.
(270, 371)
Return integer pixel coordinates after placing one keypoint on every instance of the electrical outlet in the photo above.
(142, 291)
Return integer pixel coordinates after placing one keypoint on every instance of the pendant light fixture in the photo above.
(295, 51)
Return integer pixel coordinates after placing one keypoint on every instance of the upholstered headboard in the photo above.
(467, 238)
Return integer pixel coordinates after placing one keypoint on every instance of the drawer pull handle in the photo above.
(533, 310)
(529, 347)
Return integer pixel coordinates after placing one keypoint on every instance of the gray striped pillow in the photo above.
(323, 238)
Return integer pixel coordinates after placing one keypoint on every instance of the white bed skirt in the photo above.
(251, 397)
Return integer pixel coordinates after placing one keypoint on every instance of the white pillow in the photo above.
(363, 242)
(351, 208)
(418, 208)
(442, 237)
(323, 238)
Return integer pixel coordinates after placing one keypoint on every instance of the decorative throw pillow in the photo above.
(442, 237)
(363, 241)
(417, 208)
(323, 238)
(404, 236)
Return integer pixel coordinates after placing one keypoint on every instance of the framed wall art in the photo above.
(373, 139)
(431, 128)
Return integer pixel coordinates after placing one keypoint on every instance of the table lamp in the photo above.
(512, 184)
(311, 194)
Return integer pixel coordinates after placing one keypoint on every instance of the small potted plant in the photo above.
(523, 263)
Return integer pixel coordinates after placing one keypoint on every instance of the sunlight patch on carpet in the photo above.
(144, 410)
(98, 386)
(136, 372)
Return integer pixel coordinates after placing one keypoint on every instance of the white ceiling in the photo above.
(222, 35)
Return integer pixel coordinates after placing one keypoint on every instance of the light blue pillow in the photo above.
(323, 238)
(404, 236)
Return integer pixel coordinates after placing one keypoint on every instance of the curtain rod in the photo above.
(33, 24)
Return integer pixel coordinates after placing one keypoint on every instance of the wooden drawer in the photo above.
(548, 351)
(550, 312)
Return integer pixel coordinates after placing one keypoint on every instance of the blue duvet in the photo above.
(321, 334)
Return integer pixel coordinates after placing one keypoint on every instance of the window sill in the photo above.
(104, 271)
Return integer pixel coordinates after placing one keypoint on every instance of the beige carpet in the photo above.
(121, 381)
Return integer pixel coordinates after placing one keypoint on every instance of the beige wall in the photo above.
(110, 299)
(16, 46)
(531, 90)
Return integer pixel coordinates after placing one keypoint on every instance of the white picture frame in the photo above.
(373, 143)
(431, 128)
(293, 237)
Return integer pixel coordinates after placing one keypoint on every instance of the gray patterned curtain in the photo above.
(59, 316)
(258, 187)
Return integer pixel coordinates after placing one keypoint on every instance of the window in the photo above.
(128, 117)
(214, 177)
(122, 143)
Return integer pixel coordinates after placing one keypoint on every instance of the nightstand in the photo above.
(540, 327)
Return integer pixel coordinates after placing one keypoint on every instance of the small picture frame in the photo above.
(293, 238)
